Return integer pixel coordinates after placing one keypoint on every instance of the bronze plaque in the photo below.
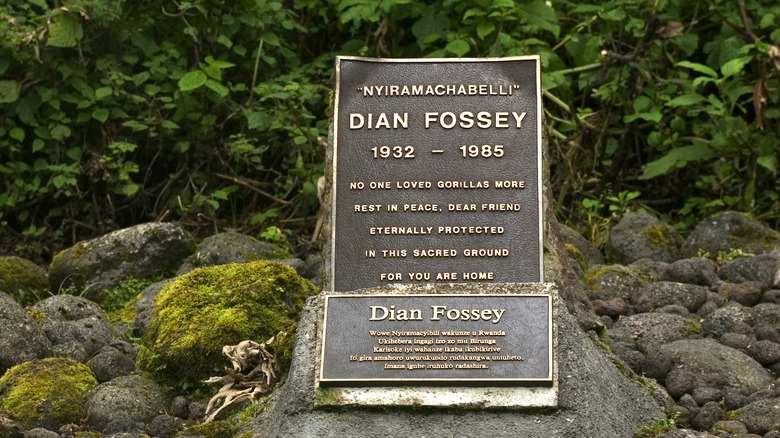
(437, 172)
(437, 339)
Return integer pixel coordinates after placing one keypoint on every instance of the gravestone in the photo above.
(437, 181)
(447, 285)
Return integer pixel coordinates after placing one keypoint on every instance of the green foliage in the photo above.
(657, 430)
(214, 114)
(115, 299)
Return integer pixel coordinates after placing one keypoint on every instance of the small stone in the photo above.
(628, 354)
(747, 293)
(679, 382)
(771, 296)
(180, 407)
(731, 427)
(613, 308)
(640, 235)
(689, 403)
(766, 314)
(197, 411)
(707, 416)
(761, 268)
(703, 394)
(111, 363)
(765, 352)
(696, 270)
(683, 415)
(40, 432)
(764, 394)
(664, 293)
(737, 341)
(164, 426)
(734, 399)
(760, 416)
(717, 327)
(657, 365)
(767, 334)
(674, 309)
(706, 309)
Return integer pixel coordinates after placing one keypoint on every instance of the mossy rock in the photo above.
(46, 392)
(612, 281)
(22, 279)
(639, 235)
(208, 308)
(728, 231)
(145, 251)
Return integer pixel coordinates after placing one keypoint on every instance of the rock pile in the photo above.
(701, 316)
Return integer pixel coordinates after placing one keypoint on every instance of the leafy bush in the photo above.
(215, 113)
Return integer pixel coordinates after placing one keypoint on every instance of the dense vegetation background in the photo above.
(215, 113)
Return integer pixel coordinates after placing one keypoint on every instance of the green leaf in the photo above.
(38, 144)
(170, 125)
(130, 189)
(652, 116)
(17, 134)
(217, 87)
(64, 31)
(103, 92)
(685, 100)
(734, 66)
(769, 162)
(9, 91)
(59, 132)
(271, 38)
(225, 41)
(192, 80)
(701, 68)
(485, 28)
(473, 12)
(458, 47)
(100, 114)
(74, 153)
(675, 157)
(502, 4)
(543, 16)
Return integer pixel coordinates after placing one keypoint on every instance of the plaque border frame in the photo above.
(331, 281)
(480, 382)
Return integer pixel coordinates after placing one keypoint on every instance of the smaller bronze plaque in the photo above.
(435, 339)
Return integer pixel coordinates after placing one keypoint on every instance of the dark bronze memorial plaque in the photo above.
(442, 339)
(437, 170)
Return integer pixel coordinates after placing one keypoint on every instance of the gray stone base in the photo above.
(594, 399)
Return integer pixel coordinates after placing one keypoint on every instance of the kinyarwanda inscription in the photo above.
(436, 180)
(408, 339)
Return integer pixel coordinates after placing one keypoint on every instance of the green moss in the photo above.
(327, 396)
(694, 328)
(200, 312)
(592, 276)
(575, 254)
(659, 236)
(46, 392)
(22, 279)
(215, 429)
